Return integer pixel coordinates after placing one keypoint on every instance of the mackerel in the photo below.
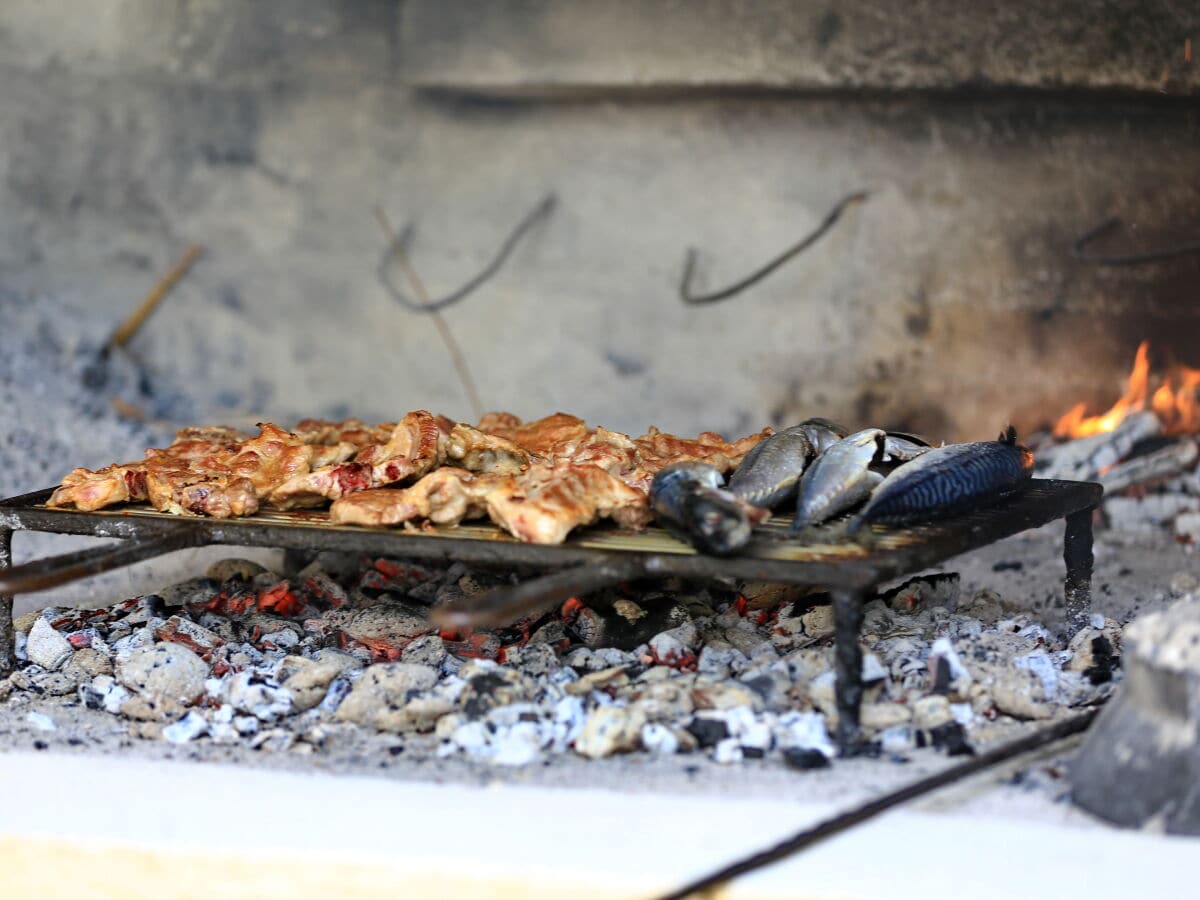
(839, 479)
(948, 480)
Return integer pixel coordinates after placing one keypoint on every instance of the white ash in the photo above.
(285, 666)
(52, 421)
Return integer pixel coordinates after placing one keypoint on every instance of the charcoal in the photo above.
(805, 758)
(951, 738)
(708, 731)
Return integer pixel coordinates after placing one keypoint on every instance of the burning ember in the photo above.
(1175, 401)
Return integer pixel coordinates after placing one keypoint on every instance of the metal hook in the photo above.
(689, 265)
(510, 243)
(397, 244)
(1108, 225)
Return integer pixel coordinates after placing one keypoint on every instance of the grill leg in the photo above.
(7, 634)
(848, 618)
(1077, 554)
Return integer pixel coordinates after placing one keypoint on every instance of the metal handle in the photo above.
(54, 571)
(505, 605)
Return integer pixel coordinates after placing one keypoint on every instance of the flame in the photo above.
(1176, 402)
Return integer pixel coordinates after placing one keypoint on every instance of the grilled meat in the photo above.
(413, 448)
(566, 474)
(562, 438)
(88, 491)
(552, 438)
(445, 496)
(546, 503)
(947, 480)
(839, 479)
(195, 475)
(542, 505)
(349, 431)
(478, 451)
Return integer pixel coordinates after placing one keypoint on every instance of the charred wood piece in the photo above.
(1166, 462)
(1085, 458)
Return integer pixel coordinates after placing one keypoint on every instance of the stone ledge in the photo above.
(551, 47)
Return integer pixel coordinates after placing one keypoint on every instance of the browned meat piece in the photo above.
(555, 437)
(611, 451)
(540, 506)
(501, 424)
(445, 496)
(88, 491)
(413, 448)
(195, 476)
(231, 479)
(348, 431)
(656, 450)
(548, 502)
(184, 492)
(217, 434)
(477, 451)
(328, 454)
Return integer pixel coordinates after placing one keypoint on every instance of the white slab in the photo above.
(549, 842)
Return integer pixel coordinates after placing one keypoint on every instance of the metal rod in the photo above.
(1134, 259)
(505, 605)
(1077, 554)
(457, 358)
(539, 212)
(130, 327)
(847, 820)
(8, 656)
(689, 263)
(55, 571)
(848, 618)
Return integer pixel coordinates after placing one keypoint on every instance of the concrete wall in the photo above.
(267, 131)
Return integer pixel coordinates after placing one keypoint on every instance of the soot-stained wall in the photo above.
(948, 302)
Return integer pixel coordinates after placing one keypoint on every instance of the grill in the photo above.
(594, 558)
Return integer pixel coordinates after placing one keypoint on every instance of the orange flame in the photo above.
(1176, 402)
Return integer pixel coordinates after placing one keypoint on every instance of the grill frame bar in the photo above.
(850, 569)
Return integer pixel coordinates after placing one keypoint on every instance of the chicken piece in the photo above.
(202, 474)
(611, 451)
(477, 451)
(501, 424)
(328, 454)
(88, 491)
(229, 481)
(656, 450)
(184, 492)
(413, 448)
(219, 434)
(445, 496)
(549, 501)
(348, 431)
(553, 438)
(541, 506)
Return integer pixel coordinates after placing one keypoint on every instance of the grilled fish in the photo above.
(947, 480)
(840, 478)
(769, 474)
(899, 447)
(689, 502)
